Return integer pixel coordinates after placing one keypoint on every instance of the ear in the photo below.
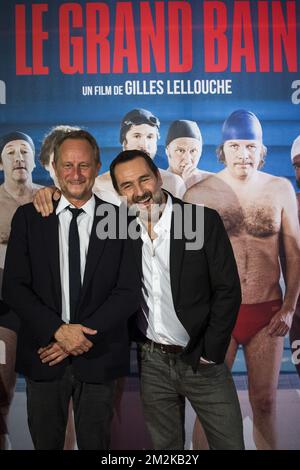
(167, 152)
(54, 167)
(1, 166)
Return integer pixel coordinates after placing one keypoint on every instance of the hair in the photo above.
(50, 139)
(221, 155)
(78, 134)
(127, 156)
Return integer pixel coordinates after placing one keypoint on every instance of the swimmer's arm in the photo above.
(43, 200)
(290, 258)
(291, 247)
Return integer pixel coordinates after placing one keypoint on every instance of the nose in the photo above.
(243, 152)
(76, 173)
(19, 156)
(186, 158)
(143, 143)
(138, 189)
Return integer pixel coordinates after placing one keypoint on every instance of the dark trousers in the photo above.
(165, 382)
(47, 408)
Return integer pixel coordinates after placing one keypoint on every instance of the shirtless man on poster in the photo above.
(184, 150)
(17, 163)
(257, 209)
(139, 130)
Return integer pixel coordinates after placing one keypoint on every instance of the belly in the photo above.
(258, 266)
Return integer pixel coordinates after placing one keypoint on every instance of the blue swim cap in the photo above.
(243, 125)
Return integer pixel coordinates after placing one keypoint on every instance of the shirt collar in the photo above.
(88, 207)
(163, 226)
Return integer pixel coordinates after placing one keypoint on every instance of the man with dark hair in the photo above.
(73, 339)
(190, 299)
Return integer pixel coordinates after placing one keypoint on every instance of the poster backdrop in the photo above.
(87, 63)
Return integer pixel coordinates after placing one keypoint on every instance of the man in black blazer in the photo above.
(191, 297)
(73, 337)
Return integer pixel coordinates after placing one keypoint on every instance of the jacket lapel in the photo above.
(51, 243)
(177, 247)
(137, 249)
(95, 250)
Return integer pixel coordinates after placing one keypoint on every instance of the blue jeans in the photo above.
(165, 382)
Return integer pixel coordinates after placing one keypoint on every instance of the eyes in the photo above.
(181, 151)
(138, 136)
(82, 166)
(129, 185)
(13, 151)
(250, 147)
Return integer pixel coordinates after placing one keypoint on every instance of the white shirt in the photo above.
(158, 320)
(85, 223)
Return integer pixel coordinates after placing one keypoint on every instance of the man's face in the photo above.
(242, 157)
(296, 165)
(76, 169)
(182, 152)
(139, 185)
(17, 161)
(141, 137)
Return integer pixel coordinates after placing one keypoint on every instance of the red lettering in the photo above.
(21, 67)
(68, 43)
(157, 39)
(215, 40)
(38, 37)
(263, 37)
(124, 29)
(180, 58)
(97, 31)
(286, 35)
(242, 23)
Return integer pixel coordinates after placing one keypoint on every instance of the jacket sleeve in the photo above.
(225, 286)
(17, 290)
(124, 299)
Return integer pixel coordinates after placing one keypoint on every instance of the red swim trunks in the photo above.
(252, 318)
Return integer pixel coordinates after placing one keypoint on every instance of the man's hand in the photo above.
(43, 200)
(71, 338)
(281, 322)
(52, 354)
(190, 176)
(4, 236)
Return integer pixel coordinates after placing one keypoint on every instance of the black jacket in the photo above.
(204, 280)
(32, 288)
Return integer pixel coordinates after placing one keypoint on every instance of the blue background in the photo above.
(36, 103)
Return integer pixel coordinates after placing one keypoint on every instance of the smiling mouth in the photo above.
(19, 168)
(145, 202)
